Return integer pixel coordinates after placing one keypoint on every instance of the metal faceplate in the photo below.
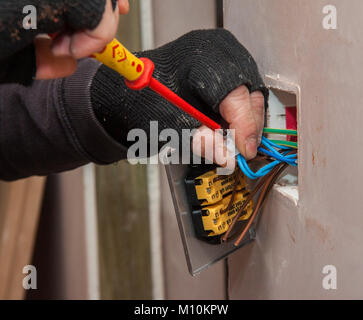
(199, 254)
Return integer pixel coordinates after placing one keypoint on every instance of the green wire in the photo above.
(283, 132)
(286, 143)
(280, 131)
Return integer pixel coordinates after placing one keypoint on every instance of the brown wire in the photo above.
(266, 182)
(261, 199)
(247, 201)
(271, 176)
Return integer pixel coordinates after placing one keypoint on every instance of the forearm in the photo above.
(50, 127)
(61, 124)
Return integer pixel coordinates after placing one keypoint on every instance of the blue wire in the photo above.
(269, 142)
(272, 152)
(290, 159)
(254, 175)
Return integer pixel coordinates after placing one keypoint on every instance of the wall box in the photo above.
(284, 95)
(199, 254)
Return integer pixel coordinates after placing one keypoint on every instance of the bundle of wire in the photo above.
(278, 154)
(277, 149)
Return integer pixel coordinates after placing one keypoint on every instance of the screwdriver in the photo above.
(138, 74)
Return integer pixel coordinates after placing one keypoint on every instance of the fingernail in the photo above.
(251, 147)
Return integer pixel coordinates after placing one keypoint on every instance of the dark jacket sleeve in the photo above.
(50, 126)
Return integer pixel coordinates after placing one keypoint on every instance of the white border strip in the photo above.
(90, 206)
(156, 248)
(146, 25)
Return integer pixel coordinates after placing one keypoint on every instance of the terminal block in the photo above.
(215, 200)
(209, 188)
(216, 219)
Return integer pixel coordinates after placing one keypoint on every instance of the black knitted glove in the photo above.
(17, 59)
(202, 67)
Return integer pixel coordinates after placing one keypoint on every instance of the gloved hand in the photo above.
(210, 69)
(83, 27)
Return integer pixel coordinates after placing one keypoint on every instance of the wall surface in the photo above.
(172, 19)
(60, 250)
(295, 242)
(20, 203)
(122, 209)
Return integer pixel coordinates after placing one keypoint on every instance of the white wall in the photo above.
(325, 228)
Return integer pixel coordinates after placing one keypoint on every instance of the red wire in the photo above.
(182, 104)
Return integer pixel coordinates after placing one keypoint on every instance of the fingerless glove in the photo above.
(202, 67)
(60, 124)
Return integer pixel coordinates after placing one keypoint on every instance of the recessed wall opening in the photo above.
(282, 114)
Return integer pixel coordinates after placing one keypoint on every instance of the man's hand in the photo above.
(244, 112)
(58, 58)
(212, 71)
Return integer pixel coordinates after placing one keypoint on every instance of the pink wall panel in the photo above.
(295, 242)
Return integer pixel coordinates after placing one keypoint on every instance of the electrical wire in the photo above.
(265, 183)
(284, 143)
(281, 131)
(279, 157)
(273, 150)
(226, 236)
(261, 199)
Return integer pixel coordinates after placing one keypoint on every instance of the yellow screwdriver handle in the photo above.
(118, 58)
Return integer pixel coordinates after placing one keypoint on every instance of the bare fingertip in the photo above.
(251, 147)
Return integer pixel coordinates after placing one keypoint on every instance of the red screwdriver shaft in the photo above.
(173, 98)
